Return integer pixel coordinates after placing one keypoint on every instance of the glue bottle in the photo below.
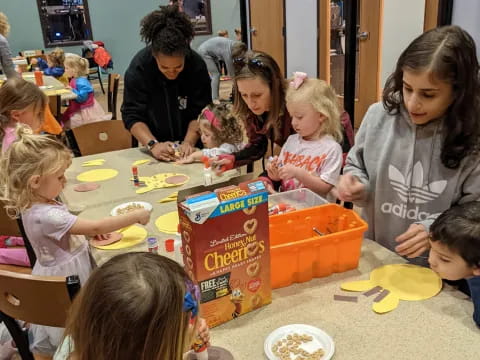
(207, 171)
(152, 245)
(175, 246)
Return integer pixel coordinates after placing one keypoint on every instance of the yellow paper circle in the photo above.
(97, 175)
(168, 223)
(133, 235)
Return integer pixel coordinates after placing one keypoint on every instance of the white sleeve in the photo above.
(221, 150)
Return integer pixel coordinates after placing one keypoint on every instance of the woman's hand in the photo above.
(163, 151)
(413, 242)
(185, 149)
(349, 188)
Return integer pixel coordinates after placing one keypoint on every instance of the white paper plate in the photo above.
(146, 206)
(320, 340)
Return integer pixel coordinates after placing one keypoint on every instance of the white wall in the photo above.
(402, 22)
(301, 44)
(465, 14)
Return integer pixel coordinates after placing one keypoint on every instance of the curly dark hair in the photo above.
(168, 31)
(449, 54)
(231, 131)
(459, 229)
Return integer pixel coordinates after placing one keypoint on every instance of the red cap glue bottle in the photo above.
(207, 171)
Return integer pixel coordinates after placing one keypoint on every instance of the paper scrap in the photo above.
(382, 295)
(345, 298)
(140, 162)
(95, 162)
(172, 197)
(133, 235)
(168, 223)
(97, 175)
(372, 291)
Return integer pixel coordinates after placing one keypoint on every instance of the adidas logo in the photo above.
(410, 189)
(419, 193)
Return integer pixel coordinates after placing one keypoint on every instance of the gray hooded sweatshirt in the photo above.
(406, 182)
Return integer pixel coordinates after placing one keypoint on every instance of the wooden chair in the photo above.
(112, 93)
(55, 104)
(34, 299)
(102, 136)
(33, 54)
(11, 227)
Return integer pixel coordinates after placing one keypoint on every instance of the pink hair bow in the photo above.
(212, 119)
(298, 79)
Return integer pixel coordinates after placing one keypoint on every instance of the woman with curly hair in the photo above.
(416, 154)
(6, 63)
(166, 86)
(221, 133)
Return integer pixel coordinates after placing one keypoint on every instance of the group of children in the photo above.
(418, 153)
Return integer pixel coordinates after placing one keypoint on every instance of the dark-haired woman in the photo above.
(417, 154)
(166, 86)
(259, 101)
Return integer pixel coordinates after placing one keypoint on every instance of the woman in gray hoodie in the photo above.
(417, 153)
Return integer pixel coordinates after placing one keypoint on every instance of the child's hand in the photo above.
(142, 216)
(287, 172)
(33, 61)
(350, 188)
(203, 331)
(186, 160)
(272, 170)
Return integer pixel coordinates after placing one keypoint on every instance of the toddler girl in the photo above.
(142, 303)
(312, 157)
(32, 175)
(84, 109)
(220, 131)
(53, 66)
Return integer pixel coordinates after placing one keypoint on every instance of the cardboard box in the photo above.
(226, 247)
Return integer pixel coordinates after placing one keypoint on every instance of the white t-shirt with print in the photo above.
(322, 157)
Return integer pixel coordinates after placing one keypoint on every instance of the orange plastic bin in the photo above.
(299, 254)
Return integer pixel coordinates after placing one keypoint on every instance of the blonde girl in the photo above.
(20, 102)
(220, 131)
(144, 304)
(312, 157)
(32, 175)
(84, 109)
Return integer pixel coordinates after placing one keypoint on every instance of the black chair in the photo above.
(34, 299)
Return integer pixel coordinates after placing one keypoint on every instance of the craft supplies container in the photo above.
(298, 253)
(299, 198)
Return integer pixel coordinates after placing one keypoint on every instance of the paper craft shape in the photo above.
(140, 162)
(86, 187)
(172, 197)
(168, 223)
(399, 282)
(132, 235)
(96, 162)
(97, 175)
(159, 181)
(177, 179)
(110, 238)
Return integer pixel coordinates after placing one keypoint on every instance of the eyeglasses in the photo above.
(253, 64)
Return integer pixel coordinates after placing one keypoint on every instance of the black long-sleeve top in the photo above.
(165, 106)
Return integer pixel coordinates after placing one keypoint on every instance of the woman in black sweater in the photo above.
(166, 86)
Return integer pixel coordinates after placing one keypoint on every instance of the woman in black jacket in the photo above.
(166, 86)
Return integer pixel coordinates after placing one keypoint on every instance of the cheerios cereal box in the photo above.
(226, 247)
